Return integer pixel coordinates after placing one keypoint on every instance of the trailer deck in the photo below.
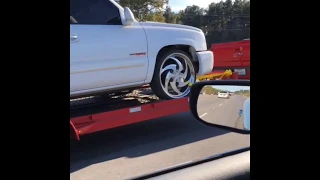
(97, 113)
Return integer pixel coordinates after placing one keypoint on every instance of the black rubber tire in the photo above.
(155, 83)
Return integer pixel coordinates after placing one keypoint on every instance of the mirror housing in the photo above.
(246, 115)
(128, 16)
(196, 91)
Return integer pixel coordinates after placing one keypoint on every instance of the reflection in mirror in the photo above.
(225, 105)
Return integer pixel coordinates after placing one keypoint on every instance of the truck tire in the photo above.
(173, 72)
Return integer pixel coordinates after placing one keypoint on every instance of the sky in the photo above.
(232, 88)
(177, 5)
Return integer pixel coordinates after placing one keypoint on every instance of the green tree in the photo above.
(221, 22)
(242, 92)
(192, 16)
(146, 10)
(209, 90)
(224, 21)
(170, 16)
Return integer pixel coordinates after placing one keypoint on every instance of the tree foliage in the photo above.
(242, 92)
(146, 10)
(170, 16)
(209, 90)
(221, 22)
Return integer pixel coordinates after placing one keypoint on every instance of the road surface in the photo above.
(146, 147)
(221, 111)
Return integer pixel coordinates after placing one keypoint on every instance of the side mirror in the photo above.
(211, 103)
(246, 115)
(129, 17)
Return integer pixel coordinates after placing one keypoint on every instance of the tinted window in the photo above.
(223, 92)
(95, 12)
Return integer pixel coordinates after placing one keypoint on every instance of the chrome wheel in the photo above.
(176, 72)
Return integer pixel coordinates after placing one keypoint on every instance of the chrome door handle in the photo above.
(73, 37)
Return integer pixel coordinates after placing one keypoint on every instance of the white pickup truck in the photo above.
(111, 51)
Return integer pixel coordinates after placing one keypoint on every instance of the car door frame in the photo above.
(86, 75)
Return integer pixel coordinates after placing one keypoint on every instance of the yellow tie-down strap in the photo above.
(227, 73)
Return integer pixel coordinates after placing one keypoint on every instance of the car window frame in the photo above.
(118, 15)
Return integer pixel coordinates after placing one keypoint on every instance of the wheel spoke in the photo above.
(174, 87)
(167, 80)
(185, 74)
(182, 84)
(169, 67)
(180, 66)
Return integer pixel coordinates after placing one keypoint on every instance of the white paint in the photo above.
(176, 165)
(240, 71)
(102, 55)
(203, 115)
(136, 109)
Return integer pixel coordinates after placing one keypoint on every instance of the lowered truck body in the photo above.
(111, 51)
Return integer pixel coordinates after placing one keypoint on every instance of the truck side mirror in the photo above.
(129, 17)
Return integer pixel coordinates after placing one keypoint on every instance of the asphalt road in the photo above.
(221, 111)
(146, 147)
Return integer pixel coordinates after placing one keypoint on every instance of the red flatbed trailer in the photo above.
(97, 113)
(93, 114)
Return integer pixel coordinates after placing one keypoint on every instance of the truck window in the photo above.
(94, 12)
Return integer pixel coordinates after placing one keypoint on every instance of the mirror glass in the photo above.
(225, 105)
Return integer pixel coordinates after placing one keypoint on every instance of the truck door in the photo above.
(103, 52)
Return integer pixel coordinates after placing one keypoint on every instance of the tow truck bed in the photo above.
(97, 113)
(97, 104)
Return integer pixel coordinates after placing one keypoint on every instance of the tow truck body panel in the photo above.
(234, 56)
(131, 112)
